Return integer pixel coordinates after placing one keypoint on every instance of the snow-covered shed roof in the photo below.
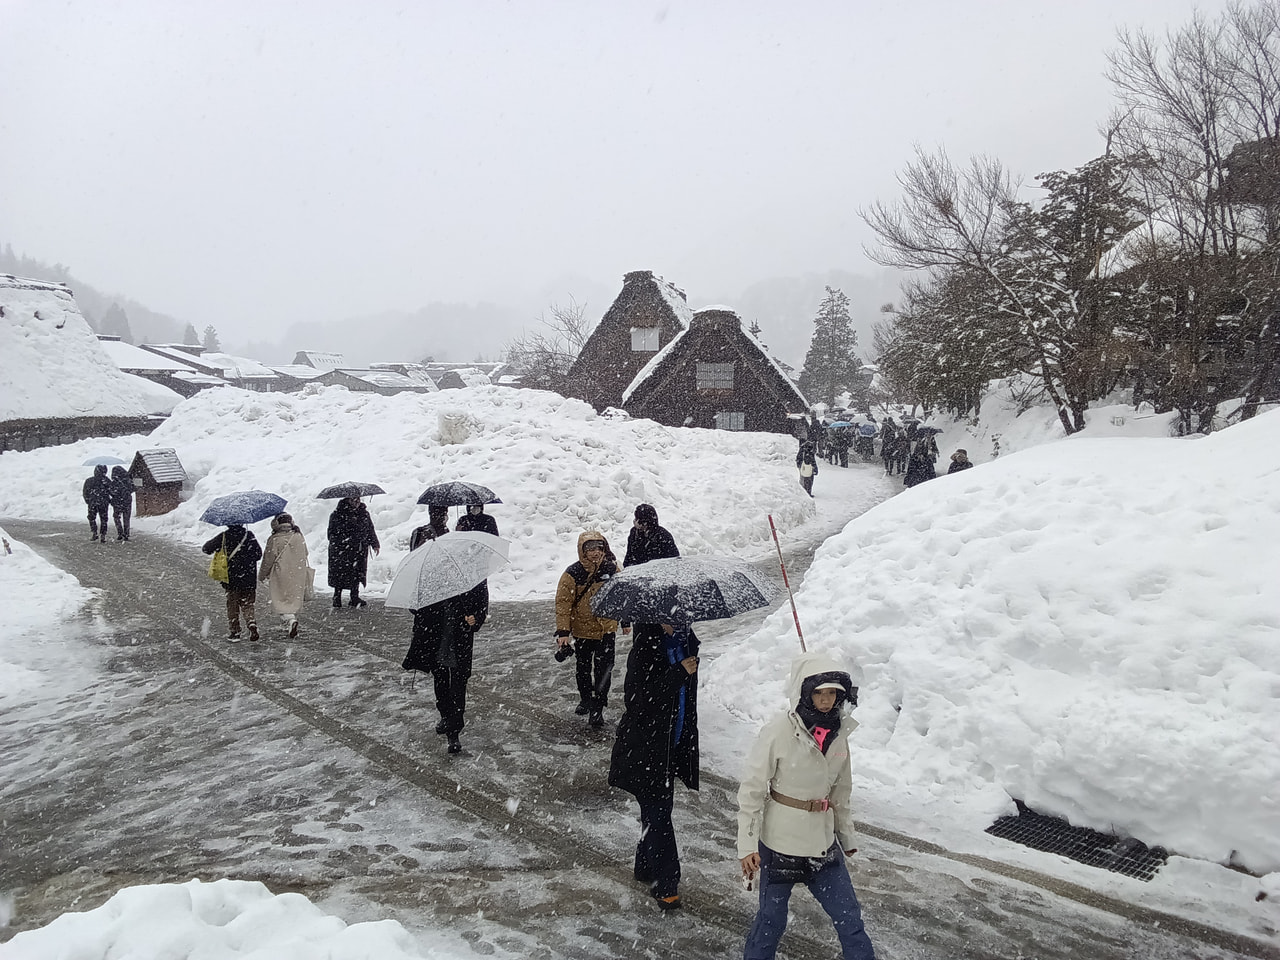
(162, 464)
(51, 363)
(239, 368)
(128, 357)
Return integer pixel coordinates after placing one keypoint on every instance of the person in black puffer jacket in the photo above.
(121, 501)
(97, 495)
(243, 554)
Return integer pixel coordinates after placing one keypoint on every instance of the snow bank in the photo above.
(1091, 627)
(558, 468)
(222, 920)
(36, 598)
(51, 363)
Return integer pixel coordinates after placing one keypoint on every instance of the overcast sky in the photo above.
(254, 164)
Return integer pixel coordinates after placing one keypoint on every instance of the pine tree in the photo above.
(115, 323)
(189, 335)
(211, 343)
(831, 365)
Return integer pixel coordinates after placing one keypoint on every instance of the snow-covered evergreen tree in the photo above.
(115, 322)
(189, 335)
(831, 365)
(211, 343)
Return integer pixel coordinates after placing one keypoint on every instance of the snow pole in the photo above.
(795, 616)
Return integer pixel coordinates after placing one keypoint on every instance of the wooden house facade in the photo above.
(716, 374)
(645, 317)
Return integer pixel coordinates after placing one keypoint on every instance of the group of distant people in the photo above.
(115, 492)
(908, 450)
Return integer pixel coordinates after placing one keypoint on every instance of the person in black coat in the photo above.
(121, 495)
(97, 495)
(647, 540)
(924, 453)
(959, 461)
(351, 537)
(658, 742)
(243, 554)
(443, 639)
(476, 519)
(807, 464)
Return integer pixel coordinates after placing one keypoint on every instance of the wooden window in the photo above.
(726, 420)
(715, 376)
(644, 339)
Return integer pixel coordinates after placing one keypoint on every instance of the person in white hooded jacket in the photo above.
(794, 821)
(284, 565)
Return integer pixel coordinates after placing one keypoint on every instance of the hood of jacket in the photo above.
(587, 535)
(100, 470)
(286, 525)
(119, 473)
(812, 668)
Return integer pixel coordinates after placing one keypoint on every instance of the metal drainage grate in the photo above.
(1123, 855)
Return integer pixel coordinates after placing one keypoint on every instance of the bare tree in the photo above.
(542, 357)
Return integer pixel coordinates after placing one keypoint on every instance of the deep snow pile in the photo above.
(51, 363)
(1091, 626)
(222, 920)
(558, 468)
(37, 598)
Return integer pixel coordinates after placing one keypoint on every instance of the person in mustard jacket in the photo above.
(591, 638)
(794, 821)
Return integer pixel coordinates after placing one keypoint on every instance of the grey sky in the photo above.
(253, 164)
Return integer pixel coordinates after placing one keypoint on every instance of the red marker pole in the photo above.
(794, 614)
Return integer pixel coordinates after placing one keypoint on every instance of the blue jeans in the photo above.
(832, 888)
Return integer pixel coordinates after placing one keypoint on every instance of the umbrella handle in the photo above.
(794, 614)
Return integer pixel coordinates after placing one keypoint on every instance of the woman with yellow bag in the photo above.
(237, 570)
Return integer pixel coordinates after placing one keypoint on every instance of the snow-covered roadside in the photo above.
(1089, 626)
(222, 920)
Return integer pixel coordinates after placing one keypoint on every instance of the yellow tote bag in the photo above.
(218, 565)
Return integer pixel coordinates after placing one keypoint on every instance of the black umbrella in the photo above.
(457, 493)
(928, 430)
(682, 590)
(352, 488)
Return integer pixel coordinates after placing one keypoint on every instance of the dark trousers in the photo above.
(451, 697)
(98, 519)
(657, 859)
(241, 601)
(832, 888)
(595, 671)
(807, 484)
(121, 516)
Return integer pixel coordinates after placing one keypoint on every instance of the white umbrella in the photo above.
(446, 567)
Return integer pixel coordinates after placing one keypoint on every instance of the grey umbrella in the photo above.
(352, 488)
(103, 461)
(457, 493)
(683, 590)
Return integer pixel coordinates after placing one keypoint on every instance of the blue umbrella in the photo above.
(103, 461)
(840, 423)
(244, 506)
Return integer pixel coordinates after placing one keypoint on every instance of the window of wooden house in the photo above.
(715, 376)
(726, 420)
(644, 339)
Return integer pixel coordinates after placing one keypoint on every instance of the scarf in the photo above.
(677, 648)
(823, 726)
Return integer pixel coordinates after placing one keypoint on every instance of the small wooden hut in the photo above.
(157, 477)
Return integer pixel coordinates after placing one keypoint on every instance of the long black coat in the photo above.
(441, 635)
(644, 758)
(351, 537)
(242, 564)
(655, 545)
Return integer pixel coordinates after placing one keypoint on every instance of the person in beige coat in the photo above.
(794, 819)
(284, 566)
(589, 638)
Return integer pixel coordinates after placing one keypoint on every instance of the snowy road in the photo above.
(311, 765)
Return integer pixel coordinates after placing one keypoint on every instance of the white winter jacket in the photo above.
(786, 757)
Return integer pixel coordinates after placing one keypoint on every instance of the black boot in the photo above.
(337, 599)
(455, 745)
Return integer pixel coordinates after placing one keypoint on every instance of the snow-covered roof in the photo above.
(239, 368)
(128, 357)
(158, 398)
(383, 378)
(720, 313)
(676, 301)
(298, 371)
(196, 378)
(51, 363)
(320, 360)
(162, 463)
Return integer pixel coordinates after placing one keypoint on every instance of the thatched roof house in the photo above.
(643, 319)
(715, 374)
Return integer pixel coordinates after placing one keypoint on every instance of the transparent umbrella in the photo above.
(446, 567)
